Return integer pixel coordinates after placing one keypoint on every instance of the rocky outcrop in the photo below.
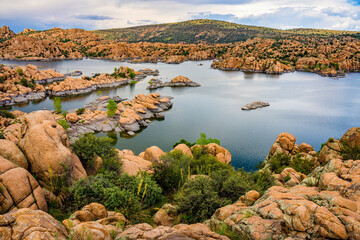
(5, 32)
(132, 164)
(166, 216)
(255, 105)
(19, 189)
(324, 204)
(30, 224)
(184, 149)
(285, 143)
(153, 154)
(179, 81)
(144, 231)
(46, 147)
(222, 154)
(76, 86)
(129, 117)
(22, 84)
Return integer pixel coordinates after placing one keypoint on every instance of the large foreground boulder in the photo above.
(46, 146)
(19, 189)
(27, 224)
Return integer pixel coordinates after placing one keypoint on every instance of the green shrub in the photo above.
(183, 141)
(203, 140)
(7, 114)
(235, 186)
(63, 123)
(349, 151)
(302, 165)
(127, 194)
(20, 71)
(112, 106)
(57, 105)
(131, 73)
(261, 181)
(279, 162)
(172, 171)
(80, 111)
(132, 83)
(89, 146)
(199, 199)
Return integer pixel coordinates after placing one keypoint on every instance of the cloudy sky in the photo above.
(101, 14)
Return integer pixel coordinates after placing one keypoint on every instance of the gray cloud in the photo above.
(93, 17)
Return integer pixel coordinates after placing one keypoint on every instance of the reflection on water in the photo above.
(311, 107)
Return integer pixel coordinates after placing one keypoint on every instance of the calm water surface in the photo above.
(311, 107)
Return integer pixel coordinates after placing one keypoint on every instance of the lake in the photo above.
(311, 107)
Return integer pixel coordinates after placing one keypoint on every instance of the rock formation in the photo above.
(19, 189)
(129, 117)
(179, 81)
(30, 224)
(255, 105)
(5, 32)
(325, 204)
(46, 147)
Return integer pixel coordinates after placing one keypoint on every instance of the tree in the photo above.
(112, 106)
(57, 105)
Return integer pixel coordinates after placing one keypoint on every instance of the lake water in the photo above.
(311, 107)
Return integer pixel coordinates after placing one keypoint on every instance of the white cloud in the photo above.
(95, 14)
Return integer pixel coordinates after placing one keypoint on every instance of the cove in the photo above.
(309, 106)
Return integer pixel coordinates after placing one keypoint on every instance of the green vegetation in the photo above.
(216, 184)
(213, 31)
(183, 141)
(350, 151)
(24, 82)
(20, 71)
(226, 230)
(57, 105)
(279, 162)
(112, 106)
(80, 111)
(131, 73)
(63, 123)
(204, 141)
(132, 83)
(198, 185)
(6, 114)
(88, 147)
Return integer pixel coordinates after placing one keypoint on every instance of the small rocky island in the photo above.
(255, 105)
(179, 81)
(130, 116)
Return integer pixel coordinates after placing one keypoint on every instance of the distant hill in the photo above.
(210, 31)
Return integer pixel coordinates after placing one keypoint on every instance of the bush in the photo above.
(57, 105)
(127, 194)
(172, 171)
(7, 114)
(64, 124)
(204, 141)
(279, 162)
(199, 199)
(20, 71)
(80, 111)
(302, 165)
(89, 146)
(112, 106)
(349, 151)
(183, 141)
(131, 73)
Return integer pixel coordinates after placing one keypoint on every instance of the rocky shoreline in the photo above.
(130, 116)
(21, 85)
